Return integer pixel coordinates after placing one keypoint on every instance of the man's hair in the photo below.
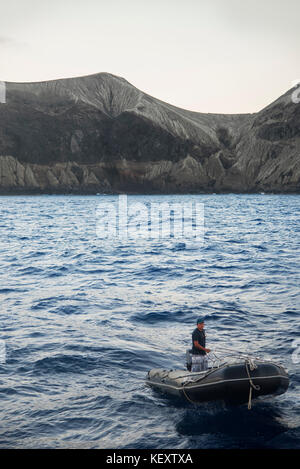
(200, 320)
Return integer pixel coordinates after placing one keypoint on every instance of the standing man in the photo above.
(199, 358)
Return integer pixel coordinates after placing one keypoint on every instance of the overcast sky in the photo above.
(224, 56)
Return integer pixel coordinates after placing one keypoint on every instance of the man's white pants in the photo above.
(199, 363)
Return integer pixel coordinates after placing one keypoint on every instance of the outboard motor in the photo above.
(188, 355)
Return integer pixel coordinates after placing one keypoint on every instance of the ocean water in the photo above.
(83, 319)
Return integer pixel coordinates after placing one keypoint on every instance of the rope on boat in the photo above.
(249, 363)
(250, 366)
(193, 382)
(256, 387)
(187, 397)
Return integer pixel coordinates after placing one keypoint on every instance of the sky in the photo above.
(223, 56)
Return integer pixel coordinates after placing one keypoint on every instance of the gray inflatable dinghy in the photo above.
(236, 382)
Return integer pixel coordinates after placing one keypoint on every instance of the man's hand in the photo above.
(207, 350)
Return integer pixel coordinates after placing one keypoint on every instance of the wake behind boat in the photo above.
(239, 382)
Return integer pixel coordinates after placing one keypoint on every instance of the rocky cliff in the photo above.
(101, 134)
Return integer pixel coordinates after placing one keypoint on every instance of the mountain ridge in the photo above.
(99, 133)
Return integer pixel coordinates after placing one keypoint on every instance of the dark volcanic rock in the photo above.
(101, 134)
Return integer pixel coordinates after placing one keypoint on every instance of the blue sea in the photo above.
(84, 318)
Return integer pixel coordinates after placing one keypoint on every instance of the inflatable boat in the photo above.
(237, 382)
